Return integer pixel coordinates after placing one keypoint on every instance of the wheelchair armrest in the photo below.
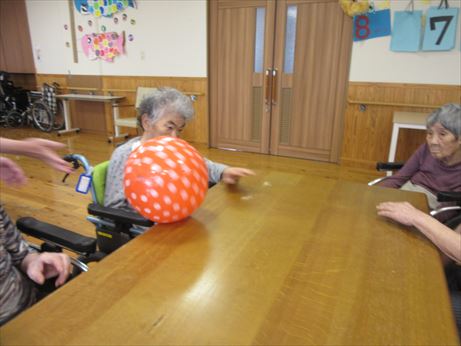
(118, 215)
(389, 166)
(56, 235)
(449, 196)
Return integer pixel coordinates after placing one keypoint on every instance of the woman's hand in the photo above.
(45, 265)
(231, 175)
(402, 212)
(11, 173)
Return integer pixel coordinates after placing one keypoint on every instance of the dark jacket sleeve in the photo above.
(407, 171)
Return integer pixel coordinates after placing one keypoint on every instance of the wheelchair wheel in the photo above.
(42, 116)
(14, 119)
(59, 121)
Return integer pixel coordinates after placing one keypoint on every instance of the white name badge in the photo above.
(83, 184)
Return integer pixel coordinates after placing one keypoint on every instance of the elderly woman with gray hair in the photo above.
(165, 112)
(436, 165)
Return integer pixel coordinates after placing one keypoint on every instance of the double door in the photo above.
(278, 76)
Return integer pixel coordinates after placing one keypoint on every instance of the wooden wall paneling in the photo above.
(53, 78)
(88, 116)
(24, 80)
(196, 130)
(367, 134)
(15, 41)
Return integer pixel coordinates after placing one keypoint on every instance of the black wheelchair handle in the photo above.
(75, 165)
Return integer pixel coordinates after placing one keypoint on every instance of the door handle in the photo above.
(274, 86)
(268, 77)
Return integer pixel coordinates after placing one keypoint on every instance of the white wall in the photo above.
(372, 60)
(169, 39)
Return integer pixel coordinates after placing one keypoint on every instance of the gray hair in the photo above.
(163, 100)
(449, 116)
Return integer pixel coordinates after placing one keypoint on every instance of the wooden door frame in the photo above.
(341, 90)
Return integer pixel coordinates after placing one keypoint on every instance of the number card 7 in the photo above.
(440, 31)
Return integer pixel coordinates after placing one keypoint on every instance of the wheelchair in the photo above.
(453, 198)
(114, 227)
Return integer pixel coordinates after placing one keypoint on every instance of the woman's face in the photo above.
(169, 124)
(442, 143)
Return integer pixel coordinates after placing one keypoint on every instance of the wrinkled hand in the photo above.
(402, 212)
(45, 150)
(11, 173)
(231, 175)
(47, 265)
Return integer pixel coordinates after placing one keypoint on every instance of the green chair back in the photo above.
(99, 181)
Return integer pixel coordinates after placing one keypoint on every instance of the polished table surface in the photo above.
(281, 259)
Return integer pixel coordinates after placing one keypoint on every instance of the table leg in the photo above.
(67, 119)
(116, 115)
(393, 146)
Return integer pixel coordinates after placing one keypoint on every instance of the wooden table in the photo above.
(281, 259)
(65, 98)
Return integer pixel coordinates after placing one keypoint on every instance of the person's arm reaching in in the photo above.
(447, 240)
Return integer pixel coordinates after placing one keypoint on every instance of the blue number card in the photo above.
(406, 31)
(440, 32)
(371, 25)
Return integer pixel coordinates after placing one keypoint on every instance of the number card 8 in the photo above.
(440, 31)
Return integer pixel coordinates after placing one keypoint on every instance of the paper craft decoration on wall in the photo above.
(104, 46)
(104, 8)
(440, 31)
(354, 7)
(406, 31)
(371, 25)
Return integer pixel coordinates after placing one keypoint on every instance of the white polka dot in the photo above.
(155, 168)
(194, 162)
(186, 169)
(193, 201)
(166, 213)
(147, 210)
(184, 195)
(133, 196)
(167, 200)
(170, 163)
(141, 150)
(176, 207)
(157, 206)
(186, 182)
(161, 155)
(138, 208)
(143, 198)
(137, 162)
(156, 218)
(173, 175)
(195, 188)
(159, 181)
(172, 188)
(147, 160)
(153, 193)
(127, 182)
(129, 169)
(179, 156)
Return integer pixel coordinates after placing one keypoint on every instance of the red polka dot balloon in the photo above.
(166, 179)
